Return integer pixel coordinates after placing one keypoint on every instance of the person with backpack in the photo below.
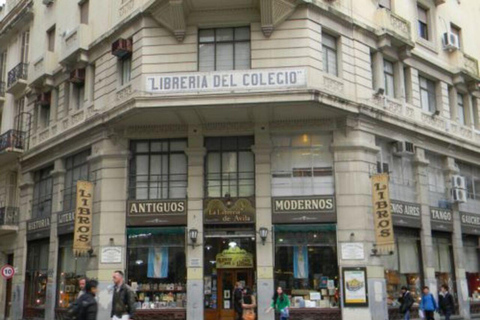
(447, 305)
(406, 302)
(428, 305)
(123, 300)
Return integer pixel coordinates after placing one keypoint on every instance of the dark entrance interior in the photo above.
(229, 258)
(8, 300)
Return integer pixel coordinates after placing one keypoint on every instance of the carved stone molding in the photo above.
(172, 15)
(273, 13)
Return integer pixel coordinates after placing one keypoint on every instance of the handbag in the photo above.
(249, 315)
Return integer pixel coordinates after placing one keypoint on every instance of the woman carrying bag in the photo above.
(281, 304)
(249, 304)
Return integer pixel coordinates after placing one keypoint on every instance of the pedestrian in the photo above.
(123, 300)
(87, 302)
(406, 302)
(81, 284)
(249, 304)
(447, 305)
(237, 300)
(281, 304)
(428, 305)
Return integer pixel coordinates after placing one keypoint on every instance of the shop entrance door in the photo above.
(227, 278)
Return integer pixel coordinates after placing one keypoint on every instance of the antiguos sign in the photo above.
(382, 213)
(239, 80)
(82, 239)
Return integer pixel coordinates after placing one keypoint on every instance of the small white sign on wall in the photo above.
(111, 255)
(353, 251)
(195, 263)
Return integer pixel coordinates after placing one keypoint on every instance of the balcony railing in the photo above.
(17, 73)
(8, 216)
(12, 139)
(2, 89)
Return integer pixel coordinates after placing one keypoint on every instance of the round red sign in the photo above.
(7, 271)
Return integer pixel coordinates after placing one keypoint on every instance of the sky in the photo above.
(2, 2)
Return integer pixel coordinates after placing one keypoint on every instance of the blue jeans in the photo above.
(447, 315)
(283, 318)
(406, 316)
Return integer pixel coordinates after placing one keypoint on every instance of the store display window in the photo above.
(306, 265)
(37, 273)
(70, 270)
(443, 260)
(403, 267)
(156, 266)
(472, 267)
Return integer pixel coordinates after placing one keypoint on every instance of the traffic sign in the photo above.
(7, 271)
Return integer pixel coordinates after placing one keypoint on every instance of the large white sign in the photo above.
(238, 80)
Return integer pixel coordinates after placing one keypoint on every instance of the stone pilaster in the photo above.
(399, 80)
(453, 103)
(263, 193)
(20, 254)
(378, 75)
(421, 177)
(450, 169)
(354, 161)
(195, 191)
(58, 175)
(108, 167)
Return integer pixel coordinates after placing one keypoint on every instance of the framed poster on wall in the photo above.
(355, 292)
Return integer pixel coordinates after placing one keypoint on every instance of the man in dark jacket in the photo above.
(123, 300)
(447, 305)
(406, 302)
(237, 301)
(87, 303)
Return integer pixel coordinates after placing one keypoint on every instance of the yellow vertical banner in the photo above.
(82, 239)
(382, 213)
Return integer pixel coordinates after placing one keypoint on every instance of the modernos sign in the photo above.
(237, 80)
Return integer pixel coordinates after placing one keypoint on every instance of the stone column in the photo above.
(453, 104)
(354, 161)
(450, 169)
(108, 167)
(195, 191)
(20, 254)
(58, 175)
(399, 80)
(378, 75)
(263, 194)
(421, 176)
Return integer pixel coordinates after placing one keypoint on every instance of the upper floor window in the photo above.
(3, 68)
(389, 79)
(224, 49)
(79, 94)
(436, 176)
(158, 169)
(461, 109)
(302, 165)
(423, 31)
(230, 167)
(427, 94)
(51, 39)
(125, 69)
(25, 40)
(472, 179)
(84, 7)
(77, 168)
(329, 48)
(387, 4)
(42, 193)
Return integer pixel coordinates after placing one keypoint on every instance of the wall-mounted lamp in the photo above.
(193, 234)
(228, 200)
(263, 232)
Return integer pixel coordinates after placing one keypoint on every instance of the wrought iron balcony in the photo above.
(12, 140)
(8, 216)
(17, 78)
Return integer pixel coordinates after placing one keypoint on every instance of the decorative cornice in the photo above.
(273, 13)
(172, 15)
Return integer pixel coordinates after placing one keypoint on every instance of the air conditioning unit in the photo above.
(48, 2)
(450, 41)
(459, 195)
(122, 47)
(44, 99)
(403, 148)
(458, 182)
(77, 76)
